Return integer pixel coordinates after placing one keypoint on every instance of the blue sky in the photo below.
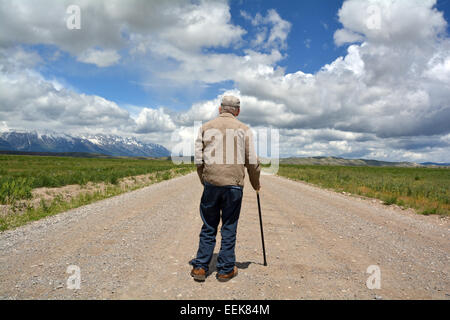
(310, 46)
(313, 22)
(313, 69)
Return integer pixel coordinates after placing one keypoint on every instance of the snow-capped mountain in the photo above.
(47, 141)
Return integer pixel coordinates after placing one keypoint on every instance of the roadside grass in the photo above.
(424, 189)
(19, 175)
(49, 171)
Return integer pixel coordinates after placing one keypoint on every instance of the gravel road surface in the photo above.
(319, 245)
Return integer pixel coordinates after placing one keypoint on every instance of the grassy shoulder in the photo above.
(51, 171)
(34, 187)
(424, 189)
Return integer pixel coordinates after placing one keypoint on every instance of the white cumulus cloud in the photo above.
(101, 58)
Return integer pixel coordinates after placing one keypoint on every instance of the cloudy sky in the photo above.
(354, 78)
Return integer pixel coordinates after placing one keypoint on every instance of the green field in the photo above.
(19, 175)
(424, 189)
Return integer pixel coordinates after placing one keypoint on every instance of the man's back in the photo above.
(224, 147)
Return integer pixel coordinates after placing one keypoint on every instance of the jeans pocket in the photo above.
(205, 194)
(236, 194)
(209, 196)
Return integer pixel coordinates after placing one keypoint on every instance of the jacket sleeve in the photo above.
(198, 157)
(251, 161)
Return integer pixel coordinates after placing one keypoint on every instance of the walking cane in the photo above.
(261, 225)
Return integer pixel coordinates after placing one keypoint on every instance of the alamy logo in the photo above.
(231, 146)
(374, 19)
(74, 280)
(73, 22)
(374, 280)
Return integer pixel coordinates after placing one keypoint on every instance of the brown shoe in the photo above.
(198, 274)
(228, 276)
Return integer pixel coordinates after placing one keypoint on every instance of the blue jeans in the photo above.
(227, 199)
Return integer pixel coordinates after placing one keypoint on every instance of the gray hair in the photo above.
(230, 109)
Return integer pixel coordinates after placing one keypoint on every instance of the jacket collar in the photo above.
(226, 115)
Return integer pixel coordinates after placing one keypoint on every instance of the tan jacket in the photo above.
(221, 135)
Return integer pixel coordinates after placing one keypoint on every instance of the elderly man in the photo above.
(221, 171)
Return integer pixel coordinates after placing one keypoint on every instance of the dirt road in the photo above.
(319, 245)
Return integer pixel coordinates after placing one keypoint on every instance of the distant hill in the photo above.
(99, 144)
(336, 161)
(435, 164)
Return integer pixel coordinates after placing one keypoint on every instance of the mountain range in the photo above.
(88, 145)
(336, 161)
(107, 144)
